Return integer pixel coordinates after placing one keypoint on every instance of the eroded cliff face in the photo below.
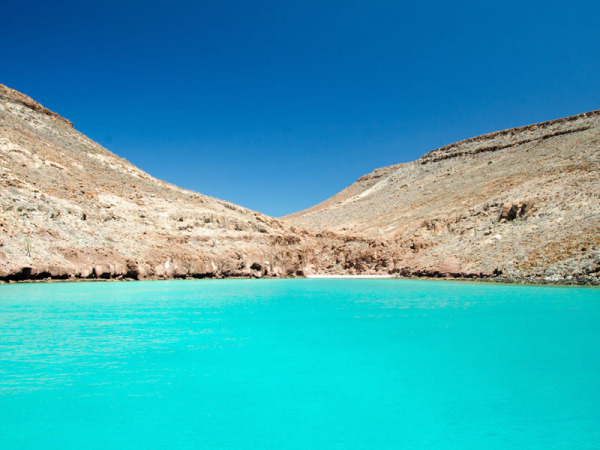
(69, 208)
(524, 203)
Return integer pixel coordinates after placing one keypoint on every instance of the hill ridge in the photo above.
(9, 94)
(522, 201)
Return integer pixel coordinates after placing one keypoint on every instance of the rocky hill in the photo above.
(521, 204)
(524, 203)
(69, 208)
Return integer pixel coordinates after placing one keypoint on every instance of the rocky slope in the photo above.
(69, 208)
(522, 203)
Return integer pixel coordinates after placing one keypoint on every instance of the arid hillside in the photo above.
(520, 205)
(69, 208)
(523, 202)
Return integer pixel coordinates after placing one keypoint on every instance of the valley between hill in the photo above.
(515, 205)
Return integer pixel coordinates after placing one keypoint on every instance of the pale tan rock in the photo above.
(69, 208)
(525, 202)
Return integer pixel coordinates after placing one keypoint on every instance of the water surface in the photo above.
(299, 364)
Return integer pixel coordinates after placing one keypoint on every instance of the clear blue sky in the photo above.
(277, 105)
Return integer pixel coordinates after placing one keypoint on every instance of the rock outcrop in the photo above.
(519, 204)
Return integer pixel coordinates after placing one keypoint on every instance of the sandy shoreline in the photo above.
(351, 276)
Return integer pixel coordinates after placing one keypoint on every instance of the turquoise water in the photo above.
(299, 364)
